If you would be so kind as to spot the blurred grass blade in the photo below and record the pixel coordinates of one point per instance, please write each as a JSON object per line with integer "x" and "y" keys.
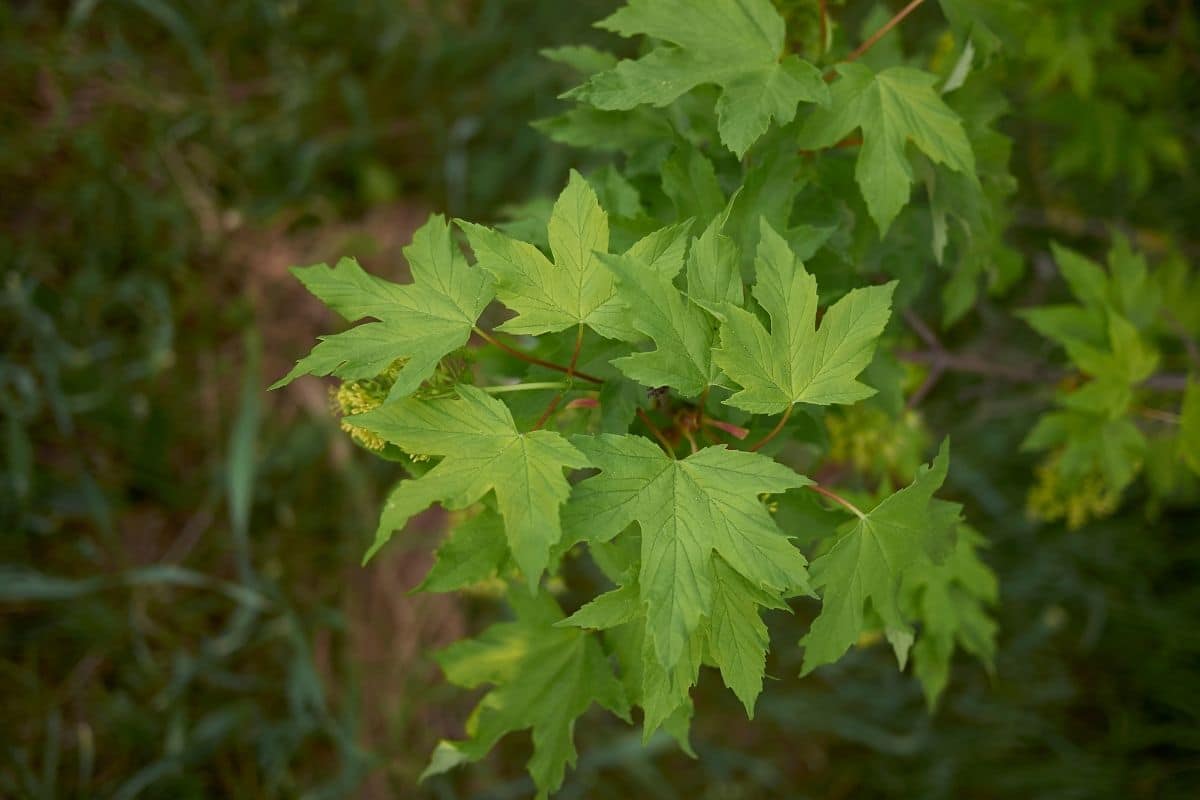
{"x": 23, "y": 585}
{"x": 240, "y": 469}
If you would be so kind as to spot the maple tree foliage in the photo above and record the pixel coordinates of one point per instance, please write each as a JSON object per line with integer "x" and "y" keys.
{"x": 681, "y": 323}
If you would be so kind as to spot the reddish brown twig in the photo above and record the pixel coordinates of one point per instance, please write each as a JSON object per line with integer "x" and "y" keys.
{"x": 883, "y": 31}
{"x": 774, "y": 431}
{"x": 570, "y": 374}
{"x": 658, "y": 434}
{"x": 837, "y": 498}
{"x": 736, "y": 431}
{"x": 487, "y": 337}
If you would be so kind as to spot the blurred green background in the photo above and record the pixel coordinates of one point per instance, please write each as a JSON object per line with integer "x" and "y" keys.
{"x": 181, "y": 610}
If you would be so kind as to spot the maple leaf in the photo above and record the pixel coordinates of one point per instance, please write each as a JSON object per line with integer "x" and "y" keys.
{"x": 572, "y": 290}
{"x": 796, "y": 362}
{"x": 1189, "y": 426}
{"x": 483, "y": 452}
{"x": 474, "y": 551}
{"x": 681, "y": 330}
{"x": 735, "y": 44}
{"x": 687, "y": 511}
{"x": 1101, "y": 333}
{"x": 420, "y": 322}
{"x": 950, "y": 600}
{"x": 891, "y": 108}
{"x": 737, "y": 637}
{"x": 868, "y": 562}
{"x": 663, "y": 694}
{"x": 1090, "y": 444}
{"x": 544, "y": 677}
{"x": 714, "y": 276}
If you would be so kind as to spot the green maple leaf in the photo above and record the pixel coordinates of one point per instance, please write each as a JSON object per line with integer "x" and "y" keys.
{"x": 687, "y": 511}
{"x": 891, "y": 108}
{"x": 483, "y": 451}
{"x": 950, "y": 600}
{"x": 737, "y": 637}
{"x": 1189, "y": 426}
{"x": 714, "y": 275}
{"x": 795, "y": 362}
{"x": 574, "y": 289}
{"x": 681, "y": 330}
{"x": 663, "y": 694}
{"x": 868, "y": 562}
{"x": 1090, "y": 444}
{"x": 735, "y": 44}
{"x": 472, "y": 553}
{"x": 543, "y": 676}
{"x": 420, "y": 322}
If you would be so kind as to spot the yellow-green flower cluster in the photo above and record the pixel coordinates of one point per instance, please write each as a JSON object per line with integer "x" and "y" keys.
{"x": 1077, "y": 501}
{"x": 450, "y": 372}
{"x": 874, "y": 443}
{"x": 359, "y": 397}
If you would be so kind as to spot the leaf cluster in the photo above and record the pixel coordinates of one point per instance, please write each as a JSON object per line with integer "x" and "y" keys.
{"x": 685, "y": 326}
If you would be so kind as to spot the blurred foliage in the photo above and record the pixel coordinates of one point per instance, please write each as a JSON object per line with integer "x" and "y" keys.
{"x": 172, "y": 625}
{"x": 174, "y": 618}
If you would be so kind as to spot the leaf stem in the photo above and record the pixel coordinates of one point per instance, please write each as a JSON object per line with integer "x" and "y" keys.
{"x": 883, "y": 31}
{"x": 774, "y": 431}
{"x": 736, "y": 431}
{"x": 1158, "y": 415}
{"x": 658, "y": 434}
{"x": 570, "y": 374}
{"x": 487, "y": 337}
{"x": 837, "y": 498}
{"x": 525, "y": 387}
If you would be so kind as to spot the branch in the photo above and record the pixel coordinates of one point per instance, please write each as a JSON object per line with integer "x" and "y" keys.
{"x": 774, "y": 431}
{"x": 837, "y": 498}
{"x": 883, "y": 31}
{"x": 487, "y": 337}
{"x": 570, "y": 374}
{"x": 976, "y": 365}
{"x": 941, "y": 360}
{"x": 658, "y": 434}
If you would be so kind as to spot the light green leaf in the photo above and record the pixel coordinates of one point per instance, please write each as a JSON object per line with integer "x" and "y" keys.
{"x": 1189, "y": 426}
{"x": 552, "y": 296}
{"x": 868, "y": 562}
{"x": 543, "y": 677}
{"x": 575, "y": 288}
{"x": 420, "y": 322}
{"x": 681, "y": 331}
{"x": 663, "y": 695}
{"x": 714, "y": 274}
{"x": 891, "y": 108}
{"x": 483, "y": 452}
{"x": 687, "y": 510}
{"x": 735, "y": 44}
{"x": 609, "y": 610}
{"x": 1091, "y": 444}
{"x": 950, "y": 600}
{"x": 582, "y": 58}
{"x": 473, "y": 552}
{"x": 688, "y": 178}
{"x": 795, "y": 362}
{"x": 737, "y": 637}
